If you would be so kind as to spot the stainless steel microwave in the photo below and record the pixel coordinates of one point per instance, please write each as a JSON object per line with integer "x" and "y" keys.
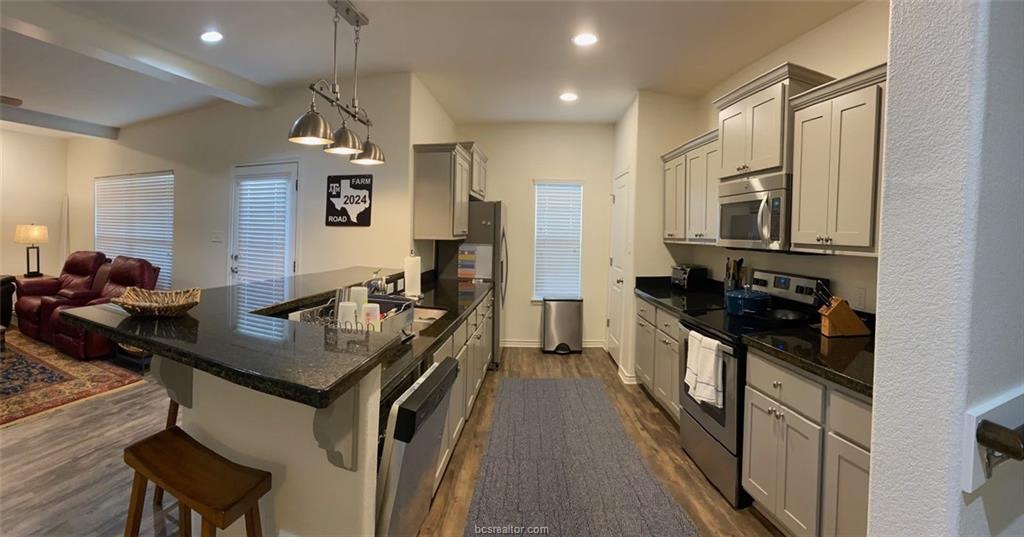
{"x": 754, "y": 212}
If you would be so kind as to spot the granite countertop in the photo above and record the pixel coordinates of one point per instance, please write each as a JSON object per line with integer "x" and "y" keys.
{"x": 658, "y": 290}
{"x": 846, "y": 361}
{"x": 302, "y": 362}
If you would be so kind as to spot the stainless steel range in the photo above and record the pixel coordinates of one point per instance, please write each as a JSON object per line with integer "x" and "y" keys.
{"x": 710, "y": 435}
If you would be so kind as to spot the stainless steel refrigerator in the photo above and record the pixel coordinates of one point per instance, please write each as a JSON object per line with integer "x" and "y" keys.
{"x": 484, "y": 257}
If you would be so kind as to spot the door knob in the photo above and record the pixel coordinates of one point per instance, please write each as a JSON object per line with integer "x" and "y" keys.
{"x": 234, "y": 270}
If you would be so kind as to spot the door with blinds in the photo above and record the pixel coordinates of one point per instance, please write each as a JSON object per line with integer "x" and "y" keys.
{"x": 263, "y": 226}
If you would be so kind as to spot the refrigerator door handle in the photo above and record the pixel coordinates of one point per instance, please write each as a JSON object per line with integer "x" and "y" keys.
{"x": 504, "y": 265}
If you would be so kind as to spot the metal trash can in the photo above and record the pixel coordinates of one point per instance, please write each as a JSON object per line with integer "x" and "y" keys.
{"x": 563, "y": 325}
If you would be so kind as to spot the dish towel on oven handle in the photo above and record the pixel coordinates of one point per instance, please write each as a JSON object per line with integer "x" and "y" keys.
{"x": 703, "y": 376}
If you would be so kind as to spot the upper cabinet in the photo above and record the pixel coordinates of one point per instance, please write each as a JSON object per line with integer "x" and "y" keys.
{"x": 478, "y": 171}
{"x": 752, "y": 120}
{"x": 691, "y": 173}
{"x": 441, "y": 185}
{"x": 837, "y": 138}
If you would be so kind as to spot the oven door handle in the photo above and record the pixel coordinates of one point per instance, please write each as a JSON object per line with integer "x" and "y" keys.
{"x": 685, "y": 337}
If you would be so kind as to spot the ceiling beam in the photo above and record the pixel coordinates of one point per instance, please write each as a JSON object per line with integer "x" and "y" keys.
{"x": 66, "y": 29}
{"x": 60, "y": 123}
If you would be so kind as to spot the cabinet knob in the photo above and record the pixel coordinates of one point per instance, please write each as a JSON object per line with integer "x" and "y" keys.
{"x": 817, "y": 238}
{"x": 828, "y": 240}
{"x": 671, "y": 234}
{"x": 619, "y": 281}
{"x": 776, "y": 384}
{"x": 771, "y": 411}
{"x": 739, "y": 168}
{"x": 778, "y": 414}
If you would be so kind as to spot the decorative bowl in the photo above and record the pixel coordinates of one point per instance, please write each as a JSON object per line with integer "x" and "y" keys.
{"x": 146, "y": 303}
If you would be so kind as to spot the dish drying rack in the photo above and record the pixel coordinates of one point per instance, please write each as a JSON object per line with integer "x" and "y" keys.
{"x": 396, "y": 316}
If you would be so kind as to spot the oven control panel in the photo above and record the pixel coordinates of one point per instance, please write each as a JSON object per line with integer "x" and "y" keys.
{"x": 789, "y": 286}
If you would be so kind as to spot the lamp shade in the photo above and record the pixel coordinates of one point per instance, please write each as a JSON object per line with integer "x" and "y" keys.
{"x": 345, "y": 142}
{"x": 311, "y": 129}
{"x": 31, "y": 234}
{"x": 372, "y": 154}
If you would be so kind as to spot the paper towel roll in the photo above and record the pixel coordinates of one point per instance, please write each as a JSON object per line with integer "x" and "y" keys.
{"x": 358, "y": 294}
{"x": 371, "y": 316}
{"x": 346, "y": 314}
{"x": 412, "y": 275}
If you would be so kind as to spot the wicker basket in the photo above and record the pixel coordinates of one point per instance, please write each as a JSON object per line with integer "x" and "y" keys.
{"x": 146, "y": 303}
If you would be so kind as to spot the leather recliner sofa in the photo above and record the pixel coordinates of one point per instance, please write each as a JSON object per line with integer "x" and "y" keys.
{"x": 33, "y": 307}
{"x": 111, "y": 281}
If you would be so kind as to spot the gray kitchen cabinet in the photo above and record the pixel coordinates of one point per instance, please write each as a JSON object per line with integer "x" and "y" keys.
{"x": 666, "y": 350}
{"x": 478, "y": 171}
{"x": 836, "y": 161}
{"x": 441, "y": 185}
{"x": 645, "y": 352}
{"x": 845, "y": 505}
{"x": 690, "y": 175}
{"x": 752, "y": 119}
{"x": 799, "y": 470}
{"x": 760, "y": 475}
{"x": 674, "y": 207}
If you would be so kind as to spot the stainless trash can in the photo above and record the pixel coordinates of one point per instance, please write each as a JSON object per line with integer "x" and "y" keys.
{"x": 563, "y": 325}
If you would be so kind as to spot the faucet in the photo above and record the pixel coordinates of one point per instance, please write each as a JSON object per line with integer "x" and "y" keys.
{"x": 377, "y": 283}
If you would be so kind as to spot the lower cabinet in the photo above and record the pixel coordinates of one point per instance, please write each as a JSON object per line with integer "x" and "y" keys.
{"x": 809, "y": 472}
{"x": 656, "y": 357}
{"x": 845, "y": 507}
{"x": 645, "y": 352}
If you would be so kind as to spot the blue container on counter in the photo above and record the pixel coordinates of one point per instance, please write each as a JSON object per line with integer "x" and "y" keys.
{"x": 746, "y": 302}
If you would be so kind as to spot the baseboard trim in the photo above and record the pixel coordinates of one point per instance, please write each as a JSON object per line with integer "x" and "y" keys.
{"x": 628, "y": 379}
{"x": 536, "y": 344}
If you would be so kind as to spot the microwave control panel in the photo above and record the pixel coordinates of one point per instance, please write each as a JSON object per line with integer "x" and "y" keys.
{"x": 776, "y": 220}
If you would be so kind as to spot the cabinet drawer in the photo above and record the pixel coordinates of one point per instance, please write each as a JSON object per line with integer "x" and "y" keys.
{"x": 668, "y": 323}
{"x": 645, "y": 310}
{"x": 459, "y": 338}
{"x": 849, "y": 418}
{"x": 446, "y": 350}
{"x": 795, "y": 391}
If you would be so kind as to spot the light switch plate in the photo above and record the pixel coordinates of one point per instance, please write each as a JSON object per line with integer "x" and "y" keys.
{"x": 217, "y": 236}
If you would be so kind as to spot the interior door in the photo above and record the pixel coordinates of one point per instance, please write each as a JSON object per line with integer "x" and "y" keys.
{"x": 617, "y": 269}
{"x": 811, "y": 132}
{"x": 263, "y": 234}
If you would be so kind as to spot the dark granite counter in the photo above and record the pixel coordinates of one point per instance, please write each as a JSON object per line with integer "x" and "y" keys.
{"x": 848, "y": 362}
{"x": 302, "y": 362}
{"x": 659, "y": 291}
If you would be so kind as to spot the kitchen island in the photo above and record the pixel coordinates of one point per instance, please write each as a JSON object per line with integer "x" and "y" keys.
{"x": 296, "y": 399}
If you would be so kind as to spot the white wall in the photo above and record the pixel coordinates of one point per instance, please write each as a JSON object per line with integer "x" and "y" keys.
{"x": 429, "y": 123}
{"x": 846, "y": 44}
{"x": 950, "y": 329}
{"x": 517, "y": 154}
{"x": 33, "y": 184}
{"x": 202, "y": 147}
{"x": 854, "y": 40}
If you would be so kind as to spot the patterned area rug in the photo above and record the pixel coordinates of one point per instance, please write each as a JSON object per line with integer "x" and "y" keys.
{"x": 35, "y": 377}
{"x": 558, "y": 462}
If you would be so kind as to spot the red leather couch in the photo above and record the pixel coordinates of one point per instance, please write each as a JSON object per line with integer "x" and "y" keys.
{"x": 36, "y": 296}
{"x": 111, "y": 281}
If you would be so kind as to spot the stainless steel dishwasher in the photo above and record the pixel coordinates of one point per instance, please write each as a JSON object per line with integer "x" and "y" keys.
{"x": 412, "y": 444}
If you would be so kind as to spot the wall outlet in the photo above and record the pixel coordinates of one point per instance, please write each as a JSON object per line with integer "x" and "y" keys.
{"x": 217, "y": 236}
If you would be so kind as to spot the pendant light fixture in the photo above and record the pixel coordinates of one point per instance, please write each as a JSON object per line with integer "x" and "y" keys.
{"x": 313, "y": 129}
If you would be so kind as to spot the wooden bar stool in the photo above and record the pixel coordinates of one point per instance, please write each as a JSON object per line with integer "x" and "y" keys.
{"x": 219, "y": 490}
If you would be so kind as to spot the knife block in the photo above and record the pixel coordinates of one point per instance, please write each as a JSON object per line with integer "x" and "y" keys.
{"x": 839, "y": 320}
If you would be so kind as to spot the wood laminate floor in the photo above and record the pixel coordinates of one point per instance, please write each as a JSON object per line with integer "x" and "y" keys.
{"x": 652, "y": 430}
{"x": 62, "y": 472}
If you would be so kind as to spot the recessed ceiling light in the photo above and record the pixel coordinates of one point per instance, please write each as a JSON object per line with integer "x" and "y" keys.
{"x": 568, "y": 96}
{"x": 585, "y": 39}
{"x": 213, "y": 36}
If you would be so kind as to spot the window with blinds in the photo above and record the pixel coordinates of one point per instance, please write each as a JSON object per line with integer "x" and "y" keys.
{"x": 557, "y": 239}
{"x": 134, "y": 217}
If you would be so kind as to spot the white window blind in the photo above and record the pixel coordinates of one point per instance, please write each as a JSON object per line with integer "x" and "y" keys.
{"x": 134, "y": 217}
{"x": 262, "y": 245}
{"x": 557, "y": 240}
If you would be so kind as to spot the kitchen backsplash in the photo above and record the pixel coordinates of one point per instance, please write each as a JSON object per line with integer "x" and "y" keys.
{"x": 853, "y": 278}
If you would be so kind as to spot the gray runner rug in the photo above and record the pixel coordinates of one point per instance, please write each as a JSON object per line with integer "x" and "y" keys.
{"x": 558, "y": 462}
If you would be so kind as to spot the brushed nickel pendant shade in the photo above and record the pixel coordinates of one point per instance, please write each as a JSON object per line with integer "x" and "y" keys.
{"x": 346, "y": 142}
{"x": 371, "y": 156}
{"x": 311, "y": 128}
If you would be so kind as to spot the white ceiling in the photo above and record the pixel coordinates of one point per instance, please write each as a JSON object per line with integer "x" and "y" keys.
{"x": 483, "y": 60}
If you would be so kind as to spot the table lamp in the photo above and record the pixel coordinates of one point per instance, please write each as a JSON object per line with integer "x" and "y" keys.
{"x": 31, "y": 234}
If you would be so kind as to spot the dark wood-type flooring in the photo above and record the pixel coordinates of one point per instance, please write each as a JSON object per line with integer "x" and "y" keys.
{"x": 62, "y": 472}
